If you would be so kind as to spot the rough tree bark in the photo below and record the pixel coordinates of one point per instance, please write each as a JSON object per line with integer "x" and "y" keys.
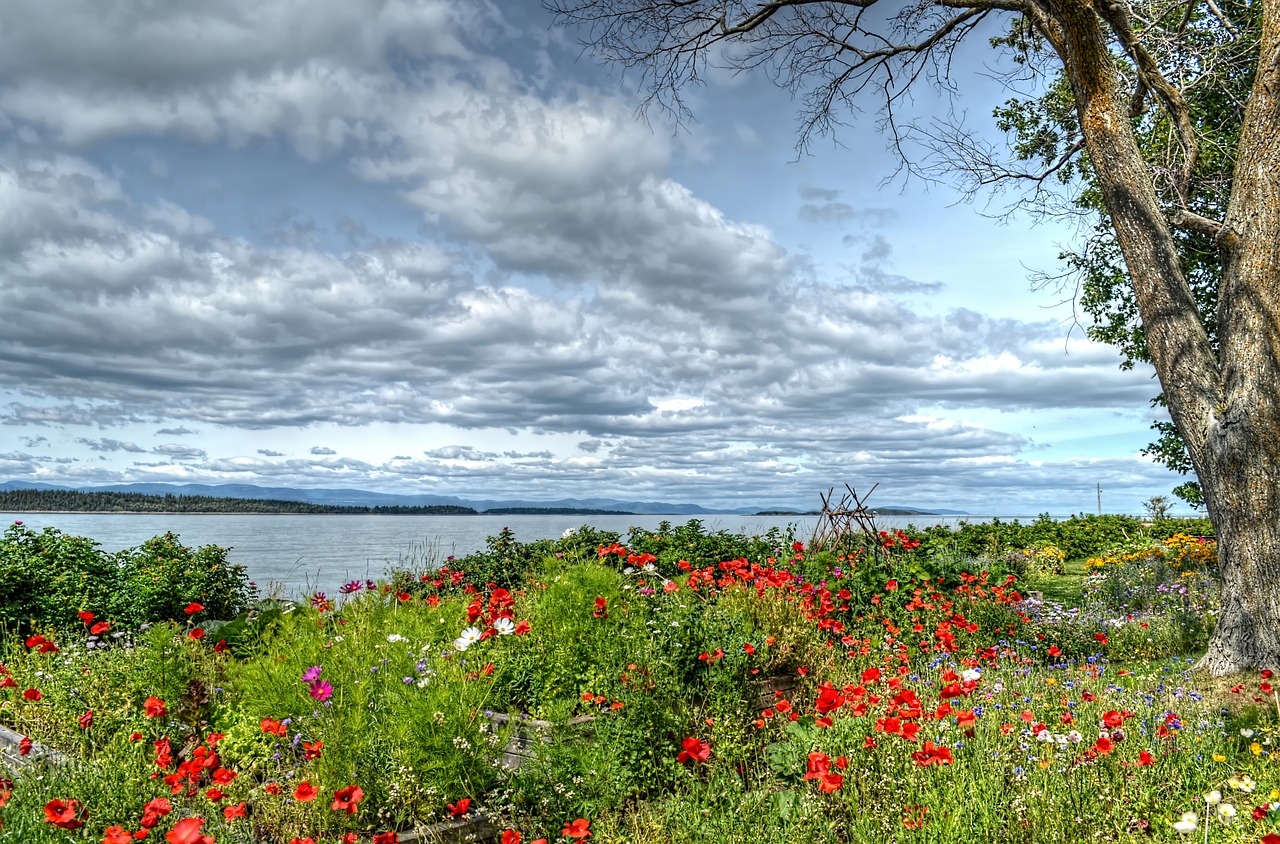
{"x": 1226, "y": 406}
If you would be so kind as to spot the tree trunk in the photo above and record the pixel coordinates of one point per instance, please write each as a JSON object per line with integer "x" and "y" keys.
{"x": 1227, "y": 407}
{"x": 1240, "y": 472}
{"x": 1247, "y": 522}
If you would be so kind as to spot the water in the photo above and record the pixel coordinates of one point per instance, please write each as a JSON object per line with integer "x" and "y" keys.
{"x": 300, "y": 554}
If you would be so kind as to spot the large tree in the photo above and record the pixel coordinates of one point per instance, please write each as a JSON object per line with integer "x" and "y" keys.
{"x": 1126, "y": 77}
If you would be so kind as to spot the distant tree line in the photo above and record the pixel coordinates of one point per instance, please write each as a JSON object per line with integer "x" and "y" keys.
{"x": 74, "y": 501}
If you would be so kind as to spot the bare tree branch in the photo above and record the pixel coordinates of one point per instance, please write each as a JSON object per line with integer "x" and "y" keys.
{"x": 1184, "y": 219}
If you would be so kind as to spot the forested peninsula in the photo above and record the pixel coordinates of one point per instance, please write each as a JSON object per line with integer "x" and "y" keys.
{"x": 74, "y": 501}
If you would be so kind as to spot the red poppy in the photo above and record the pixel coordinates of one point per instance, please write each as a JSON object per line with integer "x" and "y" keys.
{"x": 510, "y": 836}
{"x": 695, "y": 750}
{"x": 116, "y": 835}
{"x": 214, "y": 793}
{"x": 1145, "y": 759}
{"x": 311, "y": 749}
{"x": 100, "y": 628}
{"x": 599, "y": 611}
{"x": 386, "y": 838}
{"x": 305, "y": 792}
{"x": 522, "y": 628}
{"x": 196, "y": 633}
{"x": 830, "y": 782}
{"x": 64, "y": 814}
{"x": 1101, "y": 637}
{"x": 1270, "y": 838}
{"x": 32, "y": 694}
{"x": 159, "y": 806}
{"x": 187, "y": 831}
{"x": 577, "y": 829}
{"x": 460, "y": 808}
{"x": 154, "y": 708}
{"x": 236, "y": 811}
{"x": 86, "y": 720}
{"x": 221, "y": 647}
{"x": 828, "y": 699}
{"x": 348, "y": 799}
{"x": 932, "y": 755}
{"x": 86, "y": 617}
{"x": 1112, "y": 719}
{"x": 307, "y": 840}
{"x": 1054, "y": 650}
{"x": 193, "y": 608}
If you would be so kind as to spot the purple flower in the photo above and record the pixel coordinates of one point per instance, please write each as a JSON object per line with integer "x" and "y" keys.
{"x": 353, "y": 586}
{"x": 312, "y": 674}
{"x": 321, "y": 690}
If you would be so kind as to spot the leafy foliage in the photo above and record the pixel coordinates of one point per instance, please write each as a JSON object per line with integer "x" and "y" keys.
{"x": 48, "y": 577}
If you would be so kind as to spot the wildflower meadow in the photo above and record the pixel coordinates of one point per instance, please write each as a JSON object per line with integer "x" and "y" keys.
{"x": 670, "y": 685}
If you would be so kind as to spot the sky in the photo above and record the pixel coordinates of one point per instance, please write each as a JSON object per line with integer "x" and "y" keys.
{"x": 428, "y": 246}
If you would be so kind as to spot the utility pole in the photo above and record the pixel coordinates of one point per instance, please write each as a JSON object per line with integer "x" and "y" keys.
{"x": 1099, "y": 499}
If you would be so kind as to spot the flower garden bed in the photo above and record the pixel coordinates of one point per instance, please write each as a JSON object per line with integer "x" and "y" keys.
{"x": 788, "y": 695}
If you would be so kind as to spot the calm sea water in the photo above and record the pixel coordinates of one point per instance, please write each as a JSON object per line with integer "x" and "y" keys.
{"x": 300, "y": 554}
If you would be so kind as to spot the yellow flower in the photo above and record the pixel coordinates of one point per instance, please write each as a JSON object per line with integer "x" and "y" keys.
{"x": 1218, "y": 757}
{"x": 1256, "y": 748}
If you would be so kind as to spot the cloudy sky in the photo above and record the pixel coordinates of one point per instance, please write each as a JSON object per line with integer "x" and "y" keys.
{"x": 427, "y": 246}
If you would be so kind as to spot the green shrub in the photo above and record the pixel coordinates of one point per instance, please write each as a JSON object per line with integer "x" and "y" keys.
{"x": 47, "y": 578}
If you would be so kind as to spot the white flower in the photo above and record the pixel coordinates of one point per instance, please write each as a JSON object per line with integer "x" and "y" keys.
{"x": 1074, "y": 737}
{"x": 468, "y": 638}
{"x": 1226, "y": 812}
{"x": 395, "y": 637}
{"x": 1044, "y": 735}
{"x": 1247, "y": 733}
{"x": 650, "y": 567}
{"x": 569, "y": 532}
{"x": 1213, "y": 798}
{"x": 1242, "y": 783}
{"x": 1188, "y": 824}
{"x": 504, "y": 626}
{"x": 970, "y": 675}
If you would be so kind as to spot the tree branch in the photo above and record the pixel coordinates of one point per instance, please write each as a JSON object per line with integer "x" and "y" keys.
{"x": 1115, "y": 13}
{"x": 1190, "y": 221}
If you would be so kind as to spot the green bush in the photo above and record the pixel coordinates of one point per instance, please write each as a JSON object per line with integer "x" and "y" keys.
{"x": 48, "y": 577}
